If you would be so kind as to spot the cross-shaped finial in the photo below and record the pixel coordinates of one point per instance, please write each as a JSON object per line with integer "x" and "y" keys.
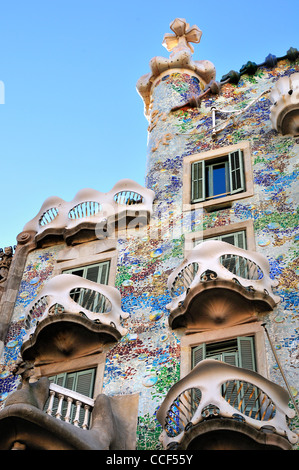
{"x": 182, "y": 36}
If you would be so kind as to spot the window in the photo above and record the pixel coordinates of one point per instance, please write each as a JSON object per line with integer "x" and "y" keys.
{"x": 238, "y": 352}
{"x": 87, "y": 298}
{"x": 212, "y": 180}
{"x": 217, "y": 178}
{"x": 235, "y": 238}
{"x": 82, "y": 382}
{"x": 95, "y": 272}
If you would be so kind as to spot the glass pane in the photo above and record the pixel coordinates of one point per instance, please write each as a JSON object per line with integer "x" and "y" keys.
{"x": 228, "y": 238}
{"x": 77, "y": 272}
{"x": 92, "y": 273}
{"x": 219, "y": 180}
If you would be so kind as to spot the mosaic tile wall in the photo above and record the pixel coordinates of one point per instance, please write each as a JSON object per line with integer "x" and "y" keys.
{"x": 147, "y": 359}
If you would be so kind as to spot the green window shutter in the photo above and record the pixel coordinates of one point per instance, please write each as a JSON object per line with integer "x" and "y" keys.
{"x": 104, "y": 272}
{"x": 198, "y": 354}
{"x": 230, "y": 358}
{"x": 246, "y": 353}
{"x": 85, "y": 382}
{"x": 247, "y": 361}
{"x": 198, "y": 181}
{"x": 241, "y": 239}
{"x": 236, "y": 172}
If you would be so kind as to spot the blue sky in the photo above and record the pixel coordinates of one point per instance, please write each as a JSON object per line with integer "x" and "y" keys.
{"x": 72, "y": 117}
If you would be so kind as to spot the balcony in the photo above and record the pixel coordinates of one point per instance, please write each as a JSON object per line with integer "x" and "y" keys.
{"x": 220, "y": 404}
{"x": 219, "y": 285}
{"x": 284, "y": 112}
{"x": 71, "y": 314}
{"x": 92, "y": 214}
{"x": 44, "y": 416}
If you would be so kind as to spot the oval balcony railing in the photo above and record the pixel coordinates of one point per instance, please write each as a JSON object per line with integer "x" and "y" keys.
{"x": 91, "y": 300}
{"x": 84, "y": 209}
{"x": 241, "y": 267}
{"x": 68, "y": 293}
{"x": 214, "y": 388}
{"x": 216, "y": 260}
{"x": 48, "y": 216}
{"x": 127, "y": 199}
{"x": 183, "y": 279}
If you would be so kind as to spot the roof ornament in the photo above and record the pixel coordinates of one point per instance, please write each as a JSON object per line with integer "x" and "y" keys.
{"x": 179, "y": 44}
{"x": 182, "y": 37}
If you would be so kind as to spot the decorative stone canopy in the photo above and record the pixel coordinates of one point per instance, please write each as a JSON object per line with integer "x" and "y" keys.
{"x": 179, "y": 44}
{"x": 284, "y": 113}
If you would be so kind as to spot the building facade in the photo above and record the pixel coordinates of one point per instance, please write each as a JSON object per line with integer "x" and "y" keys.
{"x": 166, "y": 316}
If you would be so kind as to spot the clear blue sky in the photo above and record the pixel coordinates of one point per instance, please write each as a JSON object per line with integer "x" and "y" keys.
{"x": 72, "y": 117}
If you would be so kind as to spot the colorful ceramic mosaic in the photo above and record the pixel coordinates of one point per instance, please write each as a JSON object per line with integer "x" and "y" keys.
{"x": 147, "y": 359}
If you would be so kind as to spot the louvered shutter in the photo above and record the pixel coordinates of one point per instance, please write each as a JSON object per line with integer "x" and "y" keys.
{"x": 198, "y": 354}
{"x": 84, "y": 385}
{"x": 198, "y": 181}
{"x": 246, "y": 352}
{"x": 236, "y": 172}
{"x": 247, "y": 361}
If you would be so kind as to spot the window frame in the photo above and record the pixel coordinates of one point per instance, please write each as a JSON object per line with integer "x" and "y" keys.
{"x": 237, "y": 354}
{"x": 207, "y": 158}
{"x": 87, "y": 255}
{"x": 255, "y": 330}
{"x": 94, "y": 361}
{"x": 208, "y": 234}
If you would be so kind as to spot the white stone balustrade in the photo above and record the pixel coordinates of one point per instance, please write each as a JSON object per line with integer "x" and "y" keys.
{"x": 214, "y": 387}
{"x": 69, "y": 406}
{"x": 211, "y": 260}
{"x": 68, "y": 293}
{"x": 126, "y": 199}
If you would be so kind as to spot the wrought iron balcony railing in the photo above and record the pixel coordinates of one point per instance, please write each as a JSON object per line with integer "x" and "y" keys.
{"x": 214, "y": 388}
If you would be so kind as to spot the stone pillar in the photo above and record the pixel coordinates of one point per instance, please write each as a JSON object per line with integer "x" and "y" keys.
{"x": 26, "y": 243}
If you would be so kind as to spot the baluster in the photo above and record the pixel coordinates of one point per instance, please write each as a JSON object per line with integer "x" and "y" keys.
{"x": 78, "y": 406}
{"x": 58, "y": 413}
{"x": 68, "y": 411}
{"x": 86, "y": 415}
{"x": 51, "y": 401}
